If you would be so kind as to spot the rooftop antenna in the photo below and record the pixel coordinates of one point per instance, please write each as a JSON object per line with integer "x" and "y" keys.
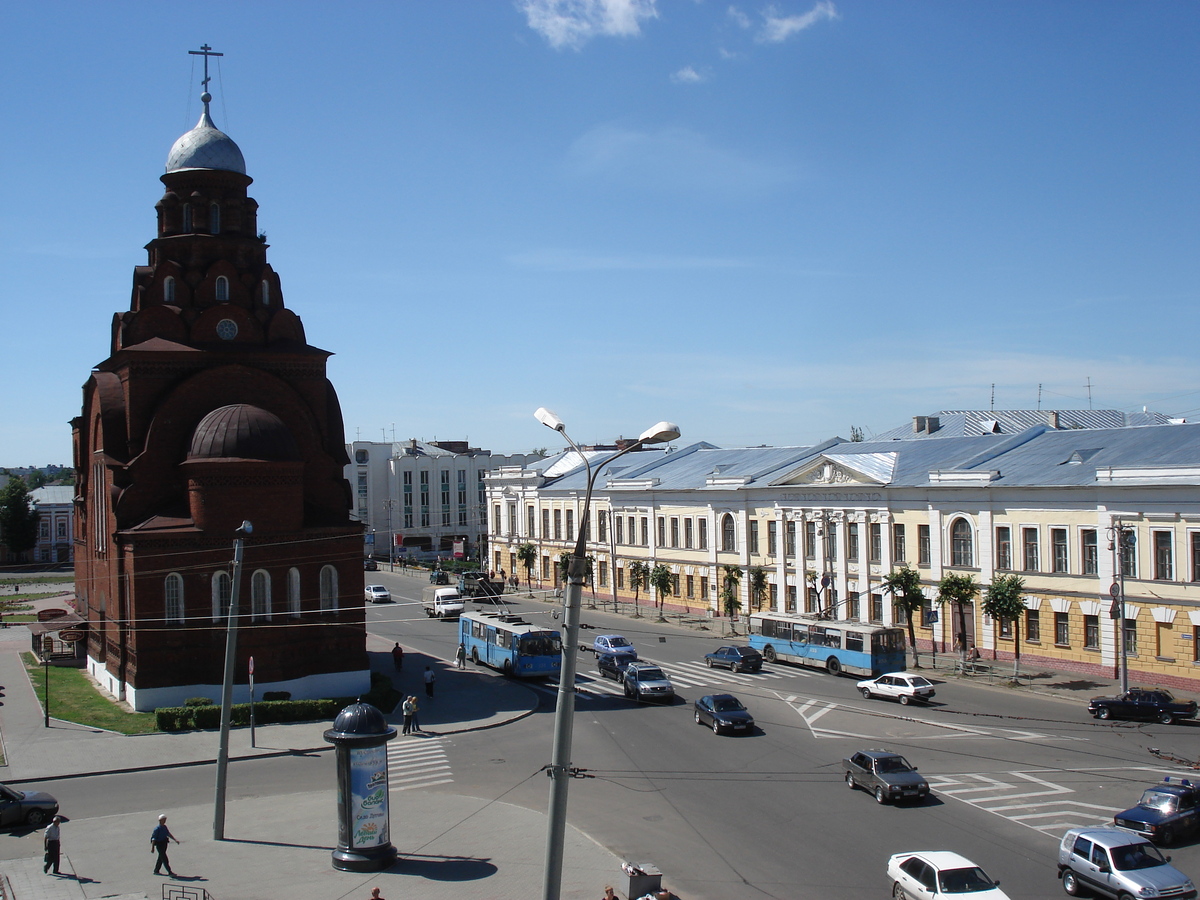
{"x": 1089, "y": 387}
{"x": 992, "y": 408}
{"x": 1039, "y": 406}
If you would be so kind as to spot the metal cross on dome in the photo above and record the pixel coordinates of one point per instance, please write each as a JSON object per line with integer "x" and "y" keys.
{"x": 205, "y": 51}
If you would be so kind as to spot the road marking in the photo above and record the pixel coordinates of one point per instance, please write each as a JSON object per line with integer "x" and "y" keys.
{"x": 1050, "y": 809}
{"x": 417, "y": 764}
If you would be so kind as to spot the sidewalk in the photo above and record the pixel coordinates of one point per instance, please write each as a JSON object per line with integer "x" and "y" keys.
{"x": 450, "y": 846}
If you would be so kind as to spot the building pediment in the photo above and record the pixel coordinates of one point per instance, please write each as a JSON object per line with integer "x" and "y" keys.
{"x": 843, "y": 468}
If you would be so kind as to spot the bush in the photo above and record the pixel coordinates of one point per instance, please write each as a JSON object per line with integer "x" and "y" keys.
{"x": 198, "y": 701}
{"x": 277, "y": 695}
{"x": 268, "y": 712}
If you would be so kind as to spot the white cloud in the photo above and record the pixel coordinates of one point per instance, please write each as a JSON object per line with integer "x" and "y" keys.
{"x": 739, "y": 17}
{"x": 688, "y": 75}
{"x": 777, "y": 28}
{"x": 671, "y": 159}
{"x": 572, "y": 23}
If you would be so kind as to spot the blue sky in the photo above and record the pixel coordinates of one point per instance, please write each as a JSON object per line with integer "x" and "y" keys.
{"x": 767, "y": 222}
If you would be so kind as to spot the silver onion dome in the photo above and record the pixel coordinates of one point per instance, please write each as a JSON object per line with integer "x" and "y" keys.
{"x": 206, "y": 147}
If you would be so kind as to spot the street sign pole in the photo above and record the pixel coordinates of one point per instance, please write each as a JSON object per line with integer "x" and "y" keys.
{"x": 252, "y": 744}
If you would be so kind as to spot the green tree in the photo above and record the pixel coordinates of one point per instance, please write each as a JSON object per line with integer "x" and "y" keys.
{"x": 904, "y": 585}
{"x": 958, "y": 590}
{"x": 564, "y": 564}
{"x": 1003, "y": 600}
{"x": 731, "y": 580}
{"x": 639, "y": 577}
{"x": 18, "y": 520}
{"x": 663, "y": 584}
{"x": 527, "y": 557}
{"x": 758, "y": 586}
{"x": 36, "y": 479}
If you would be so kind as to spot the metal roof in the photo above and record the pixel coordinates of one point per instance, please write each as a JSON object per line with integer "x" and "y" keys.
{"x": 971, "y": 422}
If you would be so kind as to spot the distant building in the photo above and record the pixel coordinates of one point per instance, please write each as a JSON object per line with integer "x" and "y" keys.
{"x": 423, "y": 498}
{"x": 55, "y": 507}
{"x": 212, "y": 408}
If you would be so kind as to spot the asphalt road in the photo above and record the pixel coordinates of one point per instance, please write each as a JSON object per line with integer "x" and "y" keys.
{"x": 766, "y": 815}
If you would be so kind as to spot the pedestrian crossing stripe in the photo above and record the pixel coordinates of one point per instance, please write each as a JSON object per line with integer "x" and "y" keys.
{"x": 417, "y": 764}
{"x": 686, "y": 674}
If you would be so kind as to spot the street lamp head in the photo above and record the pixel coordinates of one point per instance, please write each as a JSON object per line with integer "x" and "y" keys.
{"x": 660, "y": 433}
{"x": 244, "y": 528}
{"x": 549, "y": 419}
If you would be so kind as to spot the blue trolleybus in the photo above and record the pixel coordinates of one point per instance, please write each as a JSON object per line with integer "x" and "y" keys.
{"x": 510, "y": 644}
{"x": 835, "y": 646}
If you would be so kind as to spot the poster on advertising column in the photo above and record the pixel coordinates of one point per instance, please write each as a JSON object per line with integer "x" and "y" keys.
{"x": 369, "y": 796}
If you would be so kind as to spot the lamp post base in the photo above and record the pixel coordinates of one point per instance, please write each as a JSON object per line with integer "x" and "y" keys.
{"x": 372, "y": 859}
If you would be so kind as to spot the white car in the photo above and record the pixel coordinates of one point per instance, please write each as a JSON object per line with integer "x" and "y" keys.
{"x": 377, "y": 593}
{"x": 903, "y": 686}
{"x": 924, "y": 874}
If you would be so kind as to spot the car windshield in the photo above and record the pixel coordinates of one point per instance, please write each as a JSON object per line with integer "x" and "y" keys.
{"x": 651, "y": 675}
{"x": 727, "y": 704}
{"x": 544, "y": 644}
{"x": 964, "y": 881}
{"x": 1137, "y": 856}
{"x": 1165, "y": 803}
{"x": 618, "y": 641}
{"x": 889, "y": 765}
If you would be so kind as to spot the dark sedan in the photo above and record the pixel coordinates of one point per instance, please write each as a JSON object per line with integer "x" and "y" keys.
{"x": 723, "y": 712}
{"x": 31, "y": 808}
{"x": 612, "y": 666}
{"x": 736, "y": 659}
{"x": 887, "y": 775}
{"x": 1142, "y": 703}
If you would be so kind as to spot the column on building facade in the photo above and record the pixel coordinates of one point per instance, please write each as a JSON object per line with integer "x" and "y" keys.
{"x": 781, "y": 573}
{"x": 884, "y": 518}
{"x": 841, "y": 563}
{"x": 1106, "y": 568}
{"x": 984, "y": 632}
{"x": 935, "y": 570}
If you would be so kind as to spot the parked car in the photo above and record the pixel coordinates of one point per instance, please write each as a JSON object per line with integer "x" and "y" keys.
{"x": 922, "y": 874}
{"x": 1115, "y": 863}
{"x": 32, "y": 808}
{"x": 612, "y": 666}
{"x": 369, "y": 565}
{"x": 723, "y": 712}
{"x": 1168, "y": 810}
{"x": 1143, "y": 703}
{"x": 736, "y": 658}
{"x": 902, "y": 686}
{"x": 646, "y": 681}
{"x": 437, "y": 576}
{"x": 377, "y": 593}
{"x": 615, "y": 644}
{"x": 887, "y": 775}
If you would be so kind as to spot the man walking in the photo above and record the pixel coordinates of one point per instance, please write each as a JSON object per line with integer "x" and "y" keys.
{"x": 430, "y": 678}
{"x": 460, "y": 657}
{"x": 408, "y": 708}
{"x": 160, "y": 839}
{"x": 398, "y": 656}
{"x": 51, "y": 841}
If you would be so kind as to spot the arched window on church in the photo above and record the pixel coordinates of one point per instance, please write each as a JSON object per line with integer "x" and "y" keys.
{"x": 960, "y": 543}
{"x": 169, "y": 289}
{"x": 728, "y": 534}
{"x": 214, "y": 219}
{"x": 187, "y": 218}
{"x": 222, "y": 289}
{"x": 294, "y": 593}
{"x": 266, "y": 293}
{"x": 329, "y": 589}
{"x": 173, "y": 598}
{"x": 260, "y": 596}
{"x": 222, "y": 587}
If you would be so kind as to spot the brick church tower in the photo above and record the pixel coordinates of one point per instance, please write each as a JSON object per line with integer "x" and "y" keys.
{"x": 212, "y": 408}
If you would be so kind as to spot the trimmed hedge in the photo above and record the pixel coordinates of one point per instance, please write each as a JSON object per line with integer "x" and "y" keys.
{"x": 270, "y": 712}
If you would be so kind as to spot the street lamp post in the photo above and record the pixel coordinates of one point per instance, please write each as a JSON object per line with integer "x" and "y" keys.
{"x": 560, "y": 765}
{"x": 1123, "y": 538}
{"x": 227, "y": 683}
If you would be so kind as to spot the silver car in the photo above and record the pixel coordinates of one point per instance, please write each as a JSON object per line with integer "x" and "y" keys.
{"x": 1115, "y": 863}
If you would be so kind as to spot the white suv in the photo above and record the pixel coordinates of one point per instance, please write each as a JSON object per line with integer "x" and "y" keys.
{"x": 1115, "y": 863}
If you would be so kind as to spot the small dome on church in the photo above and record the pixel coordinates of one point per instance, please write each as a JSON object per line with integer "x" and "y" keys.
{"x": 242, "y": 431}
{"x": 206, "y": 147}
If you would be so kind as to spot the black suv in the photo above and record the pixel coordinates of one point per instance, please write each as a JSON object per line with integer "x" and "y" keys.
{"x": 1142, "y": 703}
{"x": 1166, "y": 811}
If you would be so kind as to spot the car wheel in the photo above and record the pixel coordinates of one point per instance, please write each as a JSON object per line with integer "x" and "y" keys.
{"x": 697, "y": 715}
{"x": 850, "y": 781}
{"x": 880, "y": 795}
{"x": 708, "y": 661}
{"x": 1166, "y": 719}
{"x": 898, "y": 892}
{"x": 475, "y": 656}
{"x": 35, "y": 817}
{"x": 507, "y": 667}
{"x": 735, "y": 668}
{"x": 1104, "y": 713}
{"x": 833, "y": 666}
{"x": 769, "y": 653}
{"x": 716, "y": 727}
{"x": 905, "y": 699}
{"x": 1166, "y": 837}
{"x": 1071, "y": 883}
{"x": 866, "y": 692}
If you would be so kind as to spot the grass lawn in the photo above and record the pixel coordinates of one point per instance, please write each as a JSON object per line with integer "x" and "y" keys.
{"x": 72, "y": 697}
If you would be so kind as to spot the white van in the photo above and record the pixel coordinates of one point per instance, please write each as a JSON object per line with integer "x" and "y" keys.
{"x": 442, "y": 602}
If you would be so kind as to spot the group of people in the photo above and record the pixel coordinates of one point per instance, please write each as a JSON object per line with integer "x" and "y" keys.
{"x": 160, "y": 839}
